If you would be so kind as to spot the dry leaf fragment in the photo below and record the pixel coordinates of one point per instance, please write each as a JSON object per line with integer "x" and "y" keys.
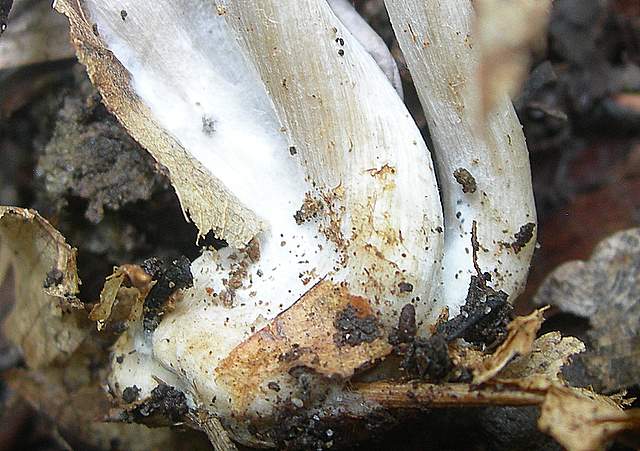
{"x": 48, "y": 322}
{"x": 606, "y": 290}
{"x": 102, "y": 310}
{"x": 548, "y": 354}
{"x": 121, "y": 304}
{"x": 583, "y": 421}
{"x": 315, "y": 334}
{"x": 519, "y": 341}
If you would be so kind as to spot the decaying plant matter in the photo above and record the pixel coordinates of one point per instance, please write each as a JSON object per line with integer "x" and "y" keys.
{"x": 282, "y": 128}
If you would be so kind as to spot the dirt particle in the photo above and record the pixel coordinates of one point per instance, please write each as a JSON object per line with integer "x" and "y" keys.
{"x": 253, "y": 250}
{"x": 164, "y": 401}
{"x": 353, "y": 328}
{"x": 484, "y": 317}
{"x": 53, "y": 277}
{"x": 407, "y": 328}
{"x": 405, "y": 287}
{"x": 341, "y": 52}
{"x": 310, "y": 209}
{"x": 208, "y": 125}
{"x": 123, "y": 15}
{"x": 94, "y": 28}
{"x": 428, "y": 358}
{"x": 522, "y": 237}
{"x": 130, "y": 394}
{"x": 466, "y": 180}
{"x": 292, "y": 150}
{"x": 273, "y": 386}
{"x": 170, "y": 275}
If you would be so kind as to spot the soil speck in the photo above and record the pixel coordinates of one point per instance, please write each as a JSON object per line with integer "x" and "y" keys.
{"x": 466, "y": 180}
{"x": 354, "y": 329}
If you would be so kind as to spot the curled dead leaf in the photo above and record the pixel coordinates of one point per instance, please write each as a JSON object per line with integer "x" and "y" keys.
{"x": 606, "y": 290}
{"x": 521, "y": 335}
{"x": 582, "y": 421}
{"x": 48, "y": 321}
{"x": 549, "y": 353}
{"x": 121, "y": 304}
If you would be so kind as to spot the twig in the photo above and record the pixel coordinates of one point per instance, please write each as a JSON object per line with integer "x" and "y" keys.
{"x": 421, "y": 395}
{"x": 216, "y": 433}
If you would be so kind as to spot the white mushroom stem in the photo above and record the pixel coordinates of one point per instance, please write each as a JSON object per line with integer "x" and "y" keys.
{"x": 437, "y": 42}
{"x": 279, "y": 102}
{"x": 317, "y": 159}
{"x": 369, "y": 39}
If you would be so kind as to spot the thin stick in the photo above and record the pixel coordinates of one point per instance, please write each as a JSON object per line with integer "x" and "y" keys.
{"x": 216, "y": 433}
{"x": 421, "y": 395}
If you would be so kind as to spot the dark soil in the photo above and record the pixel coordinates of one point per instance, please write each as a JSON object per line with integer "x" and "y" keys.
{"x": 353, "y": 328}
{"x": 466, "y": 180}
{"x": 165, "y": 401}
{"x": 170, "y": 275}
{"x": 482, "y": 321}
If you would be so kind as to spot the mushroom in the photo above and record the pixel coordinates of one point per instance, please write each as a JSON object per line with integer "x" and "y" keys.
{"x": 283, "y": 136}
{"x": 483, "y": 166}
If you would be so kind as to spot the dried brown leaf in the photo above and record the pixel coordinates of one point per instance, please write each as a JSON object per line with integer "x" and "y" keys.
{"x": 583, "y": 421}
{"x": 521, "y": 335}
{"x": 606, "y": 290}
{"x": 48, "y": 322}
{"x": 121, "y": 304}
{"x": 547, "y": 356}
{"x": 302, "y": 336}
{"x": 102, "y": 310}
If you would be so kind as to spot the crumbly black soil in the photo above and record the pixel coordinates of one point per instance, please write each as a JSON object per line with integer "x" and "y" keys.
{"x": 130, "y": 394}
{"x": 407, "y": 328}
{"x": 483, "y": 319}
{"x": 466, "y": 180}
{"x": 165, "y": 401}
{"x": 90, "y": 156}
{"x": 53, "y": 277}
{"x": 353, "y": 329}
{"x": 523, "y": 236}
{"x": 170, "y": 275}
